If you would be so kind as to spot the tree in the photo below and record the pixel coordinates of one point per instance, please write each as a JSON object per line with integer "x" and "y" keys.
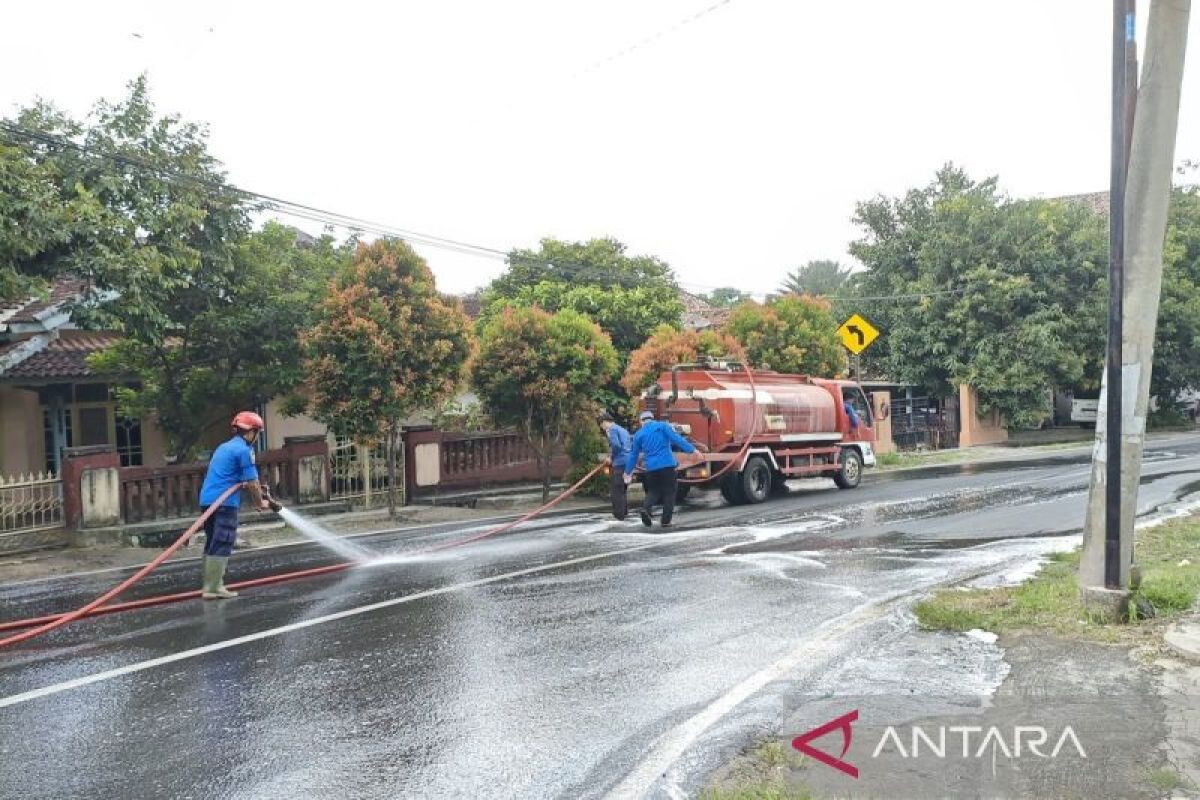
{"x": 1177, "y": 339}
{"x": 793, "y": 333}
{"x": 1006, "y": 296}
{"x": 540, "y": 372}
{"x": 667, "y": 347}
{"x": 628, "y": 296}
{"x": 43, "y": 226}
{"x": 816, "y": 278}
{"x": 229, "y": 340}
{"x": 387, "y": 344}
{"x": 726, "y": 297}
{"x": 133, "y": 203}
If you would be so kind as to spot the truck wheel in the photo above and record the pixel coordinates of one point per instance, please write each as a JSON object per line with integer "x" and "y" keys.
{"x": 850, "y": 472}
{"x": 681, "y": 491}
{"x": 731, "y": 489}
{"x": 756, "y": 480}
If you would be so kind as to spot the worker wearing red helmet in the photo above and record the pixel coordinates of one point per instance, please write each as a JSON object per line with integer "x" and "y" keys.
{"x": 232, "y": 463}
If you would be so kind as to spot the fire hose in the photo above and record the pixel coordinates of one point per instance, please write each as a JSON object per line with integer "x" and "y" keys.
{"x": 97, "y": 607}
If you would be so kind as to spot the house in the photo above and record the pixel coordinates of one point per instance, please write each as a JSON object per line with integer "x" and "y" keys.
{"x": 50, "y": 399}
{"x": 701, "y": 315}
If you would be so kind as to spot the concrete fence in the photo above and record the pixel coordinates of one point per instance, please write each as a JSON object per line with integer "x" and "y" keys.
{"x": 447, "y": 462}
{"x": 99, "y": 493}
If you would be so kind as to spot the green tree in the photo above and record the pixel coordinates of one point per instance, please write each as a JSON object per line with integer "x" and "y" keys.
{"x": 821, "y": 277}
{"x": 387, "y": 344}
{"x": 628, "y": 296}
{"x": 230, "y": 339}
{"x": 540, "y": 372}
{"x": 43, "y": 225}
{"x": 668, "y": 347}
{"x": 726, "y": 297}
{"x": 793, "y": 333}
{"x": 1177, "y": 338}
{"x": 140, "y": 209}
{"x": 1006, "y": 296}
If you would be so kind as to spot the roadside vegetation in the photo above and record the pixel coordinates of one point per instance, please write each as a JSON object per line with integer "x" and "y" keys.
{"x": 761, "y": 774}
{"x": 1169, "y": 558}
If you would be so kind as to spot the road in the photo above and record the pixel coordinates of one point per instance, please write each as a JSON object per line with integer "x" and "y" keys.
{"x": 577, "y": 657}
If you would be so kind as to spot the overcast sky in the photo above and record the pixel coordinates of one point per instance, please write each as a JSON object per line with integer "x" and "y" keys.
{"x": 733, "y": 146}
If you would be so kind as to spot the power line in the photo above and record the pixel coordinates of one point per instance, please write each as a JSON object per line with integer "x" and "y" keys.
{"x": 330, "y": 218}
{"x": 652, "y": 38}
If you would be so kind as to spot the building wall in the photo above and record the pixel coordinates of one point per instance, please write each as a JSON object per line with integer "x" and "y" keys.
{"x": 21, "y": 445}
{"x": 154, "y": 443}
{"x": 280, "y": 427}
{"x": 978, "y": 430}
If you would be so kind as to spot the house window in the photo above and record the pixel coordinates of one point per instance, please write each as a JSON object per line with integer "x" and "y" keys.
{"x": 93, "y": 425}
{"x": 64, "y": 418}
{"x": 129, "y": 441}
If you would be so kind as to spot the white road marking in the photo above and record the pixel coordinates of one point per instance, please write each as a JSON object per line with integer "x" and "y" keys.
{"x": 673, "y": 744}
{"x": 141, "y": 666}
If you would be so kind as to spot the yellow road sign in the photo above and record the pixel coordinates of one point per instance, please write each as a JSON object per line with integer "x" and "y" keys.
{"x": 857, "y": 334}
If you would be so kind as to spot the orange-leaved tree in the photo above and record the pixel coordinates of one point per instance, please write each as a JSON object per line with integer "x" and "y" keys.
{"x": 667, "y": 347}
{"x": 387, "y": 345}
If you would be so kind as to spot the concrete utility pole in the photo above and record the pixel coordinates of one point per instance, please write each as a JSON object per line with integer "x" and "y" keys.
{"x": 1147, "y": 198}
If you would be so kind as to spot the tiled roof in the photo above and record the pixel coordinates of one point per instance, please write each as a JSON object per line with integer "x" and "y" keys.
{"x": 65, "y": 357}
{"x": 472, "y": 304}
{"x": 64, "y": 290}
{"x": 1096, "y": 201}
{"x": 699, "y": 314}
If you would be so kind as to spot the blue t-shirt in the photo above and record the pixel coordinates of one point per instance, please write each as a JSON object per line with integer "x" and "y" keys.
{"x": 231, "y": 463}
{"x": 852, "y": 414}
{"x": 654, "y": 440}
{"x": 618, "y": 445}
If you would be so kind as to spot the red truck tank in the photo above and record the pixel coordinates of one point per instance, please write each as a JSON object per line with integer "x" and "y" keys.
{"x": 789, "y": 426}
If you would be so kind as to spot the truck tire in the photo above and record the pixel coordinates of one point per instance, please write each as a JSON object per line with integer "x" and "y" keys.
{"x": 731, "y": 489}
{"x": 849, "y": 473}
{"x": 681, "y": 491}
{"x": 756, "y": 480}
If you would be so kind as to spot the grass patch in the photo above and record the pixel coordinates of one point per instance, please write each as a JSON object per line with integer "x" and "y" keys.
{"x": 762, "y": 774}
{"x": 1168, "y": 780}
{"x": 1050, "y": 600}
{"x": 897, "y": 460}
{"x": 756, "y": 792}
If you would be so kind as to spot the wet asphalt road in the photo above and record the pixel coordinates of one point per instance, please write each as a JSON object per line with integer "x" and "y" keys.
{"x": 577, "y": 657}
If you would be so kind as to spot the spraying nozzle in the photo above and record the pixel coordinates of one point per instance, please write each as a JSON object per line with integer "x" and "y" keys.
{"x": 272, "y": 503}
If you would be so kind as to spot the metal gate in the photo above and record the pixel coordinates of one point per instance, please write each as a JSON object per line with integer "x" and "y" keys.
{"x": 358, "y": 474}
{"x": 924, "y": 423}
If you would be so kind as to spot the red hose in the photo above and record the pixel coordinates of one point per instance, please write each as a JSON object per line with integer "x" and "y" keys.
{"x": 130, "y": 581}
{"x": 97, "y": 607}
{"x": 745, "y": 447}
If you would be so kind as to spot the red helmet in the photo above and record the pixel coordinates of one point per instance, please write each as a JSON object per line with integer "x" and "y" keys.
{"x": 248, "y": 421}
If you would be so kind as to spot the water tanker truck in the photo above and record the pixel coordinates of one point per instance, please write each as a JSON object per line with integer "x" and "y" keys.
{"x": 786, "y": 426}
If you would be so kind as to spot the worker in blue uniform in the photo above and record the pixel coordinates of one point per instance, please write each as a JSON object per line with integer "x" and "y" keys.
{"x": 654, "y": 441}
{"x": 618, "y": 453}
{"x": 232, "y": 463}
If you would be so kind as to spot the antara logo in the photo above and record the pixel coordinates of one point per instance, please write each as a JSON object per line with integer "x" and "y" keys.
{"x": 842, "y": 723}
{"x": 1024, "y": 740}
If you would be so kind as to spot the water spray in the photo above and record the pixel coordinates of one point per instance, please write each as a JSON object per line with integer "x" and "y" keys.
{"x": 40, "y": 625}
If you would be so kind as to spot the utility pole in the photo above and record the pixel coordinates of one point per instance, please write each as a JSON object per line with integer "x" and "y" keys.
{"x": 1139, "y": 200}
{"x": 1124, "y": 29}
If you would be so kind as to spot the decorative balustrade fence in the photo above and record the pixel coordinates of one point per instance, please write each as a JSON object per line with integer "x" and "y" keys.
{"x": 30, "y": 502}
